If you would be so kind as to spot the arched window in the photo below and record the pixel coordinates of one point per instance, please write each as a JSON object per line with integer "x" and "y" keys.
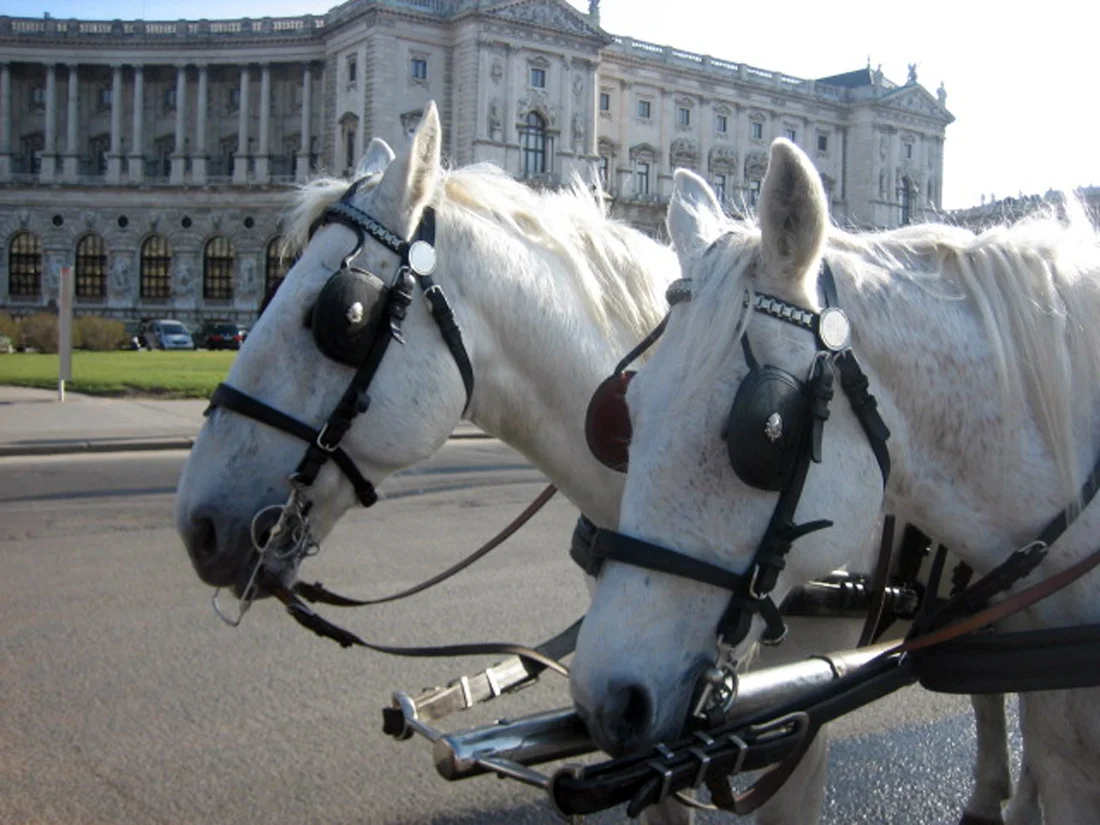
{"x": 533, "y": 140}
{"x": 25, "y": 266}
{"x": 278, "y": 264}
{"x": 156, "y": 268}
{"x": 904, "y": 196}
{"x": 91, "y": 267}
{"x": 218, "y": 259}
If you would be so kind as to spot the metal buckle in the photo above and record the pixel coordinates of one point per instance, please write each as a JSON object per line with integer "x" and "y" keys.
{"x": 665, "y": 773}
{"x": 752, "y": 584}
{"x": 702, "y": 756}
{"x": 320, "y": 441}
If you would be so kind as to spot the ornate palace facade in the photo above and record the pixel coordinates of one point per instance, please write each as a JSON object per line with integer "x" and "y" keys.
{"x": 157, "y": 157}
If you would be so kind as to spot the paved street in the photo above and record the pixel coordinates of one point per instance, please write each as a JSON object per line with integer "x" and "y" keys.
{"x": 127, "y": 701}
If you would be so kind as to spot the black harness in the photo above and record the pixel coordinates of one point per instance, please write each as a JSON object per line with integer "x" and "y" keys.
{"x": 773, "y": 433}
{"x": 354, "y": 320}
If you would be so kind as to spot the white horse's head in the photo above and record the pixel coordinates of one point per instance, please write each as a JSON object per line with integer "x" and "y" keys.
{"x": 240, "y": 466}
{"x": 650, "y": 634}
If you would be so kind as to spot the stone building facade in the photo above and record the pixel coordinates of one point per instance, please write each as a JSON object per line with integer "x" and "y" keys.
{"x": 158, "y": 157}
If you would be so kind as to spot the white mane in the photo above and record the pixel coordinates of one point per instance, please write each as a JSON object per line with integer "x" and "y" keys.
{"x": 602, "y": 254}
{"x": 1035, "y": 285}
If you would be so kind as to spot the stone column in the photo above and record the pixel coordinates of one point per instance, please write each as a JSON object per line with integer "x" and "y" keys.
{"x": 240, "y": 160}
{"x": 301, "y": 163}
{"x": 114, "y": 156}
{"x": 135, "y": 161}
{"x": 5, "y": 121}
{"x": 72, "y": 152}
{"x": 199, "y": 156}
{"x": 705, "y": 124}
{"x": 263, "y": 167}
{"x": 49, "y": 150}
{"x": 179, "y": 155}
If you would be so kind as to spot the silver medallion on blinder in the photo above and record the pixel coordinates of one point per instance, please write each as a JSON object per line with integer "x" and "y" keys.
{"x": 773, "y": 427}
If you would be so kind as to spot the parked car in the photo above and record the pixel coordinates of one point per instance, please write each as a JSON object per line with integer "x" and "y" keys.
{"x": 222, "y": 335}
{"x": 168, "y": 334}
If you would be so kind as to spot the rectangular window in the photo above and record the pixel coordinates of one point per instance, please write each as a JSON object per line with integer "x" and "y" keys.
{"x": 351, "y": 69}
{"x": 170, "y": 98}
{"x": 683, "y": 116}
{"x": 720, "y": 187}
{"x": 823, "y": 143}
{"x": 349, "y": 149}
{"x": 757, "y": 130}
{"x": 418, "y": 68}
{"x": 235, "y": 99}
{"x": 790, "y": 135}
{"x": 38, "y": 97}
{"x": 643, "y": 109}
{"x": 641, "y": 178}
{"x": 754, "y": 193}
{"x": 538, "y": 78}
{"x": 720, "y": 124}
{"x": 909, "y": 151}
{"x": 104, "y": 97}
{"x": 605, "y": 167}
{"x": 605, "y": 102}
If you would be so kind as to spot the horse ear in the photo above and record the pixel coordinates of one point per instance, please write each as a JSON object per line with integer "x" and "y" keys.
{"x": 378, "y": 156}
{"x": 409, "y": 182}
{"x": 793, "y": 214}
{"x": 694, "y": 219}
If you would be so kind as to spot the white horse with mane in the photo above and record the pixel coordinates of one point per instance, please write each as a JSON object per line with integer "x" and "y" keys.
{"x": 549, "y": 294}
{"x": 984, "y": 355}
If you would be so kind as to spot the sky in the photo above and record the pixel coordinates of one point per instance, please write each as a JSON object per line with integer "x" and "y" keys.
{"x": 1018, "y": 77}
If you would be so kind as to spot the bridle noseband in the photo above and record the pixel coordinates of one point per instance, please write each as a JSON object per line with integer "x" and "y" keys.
{"x": 374, "y": 335}
{"x": 774, "y": 432}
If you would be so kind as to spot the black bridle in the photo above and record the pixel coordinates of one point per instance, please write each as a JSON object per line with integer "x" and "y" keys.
{"x": 750, "y": 591}
{"x": 418, "y": 261}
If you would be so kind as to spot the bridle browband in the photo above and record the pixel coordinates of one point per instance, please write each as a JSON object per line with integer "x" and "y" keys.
{"x": 418, "y": 261}
{"x": 750, "y": 591}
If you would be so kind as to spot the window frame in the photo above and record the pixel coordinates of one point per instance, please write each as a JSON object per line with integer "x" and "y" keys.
{"x": 418, "y": 68}
{"x": 645, "y": 109}
{"x": 534, "y": 145}
{"x": 536, "y": 77}
{"x": 218, "y": 267}
{"x": 155, "y": 269}
{"x": 25, "y": 265}
{"x": 756, "y": 130}
{"x": 90, "y": 267}
{"x": 721, "y": 124}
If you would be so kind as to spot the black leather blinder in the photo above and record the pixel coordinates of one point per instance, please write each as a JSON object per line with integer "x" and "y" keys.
{"x": 765, "y": 427}
{"x": 346, "y": 313}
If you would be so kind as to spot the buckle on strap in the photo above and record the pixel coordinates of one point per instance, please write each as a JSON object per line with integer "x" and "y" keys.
{"x": 320, "y": 441}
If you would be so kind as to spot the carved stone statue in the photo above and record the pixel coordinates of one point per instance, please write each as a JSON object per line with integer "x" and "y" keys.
{"x": 578, "y": 86}
{"x": 912, "y": 73}
{"x": 495, "y": 123}
{"x": 941, "y": 94}
{"x": 496, "y": 73}
{"x": 876, "y": 76}
{"x": 184, "y": 280}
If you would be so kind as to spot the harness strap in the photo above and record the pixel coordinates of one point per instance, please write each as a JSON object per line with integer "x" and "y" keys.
{"x": 305, "y": 616}
{"x": 878, "y": 584}
{"x": 317, "y": 593}
{"x": 233, "y": 399}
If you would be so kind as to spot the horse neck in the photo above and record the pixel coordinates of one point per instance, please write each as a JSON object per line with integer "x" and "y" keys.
{"x": 539, "y": 355}
{"x": 977, "y": 475}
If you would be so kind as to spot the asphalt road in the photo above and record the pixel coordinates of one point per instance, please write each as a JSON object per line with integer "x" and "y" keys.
{"x": 127, "y": 701}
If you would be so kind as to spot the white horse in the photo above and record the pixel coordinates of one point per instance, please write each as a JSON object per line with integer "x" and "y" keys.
{"x": 549, "y": 293}
{"x": 984, "y": 355}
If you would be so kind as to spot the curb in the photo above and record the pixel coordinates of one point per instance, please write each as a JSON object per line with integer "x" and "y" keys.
{"x": 122, "y": 445}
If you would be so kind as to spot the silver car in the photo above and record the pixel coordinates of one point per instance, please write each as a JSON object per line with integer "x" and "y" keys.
{"x": 168, "y": 334}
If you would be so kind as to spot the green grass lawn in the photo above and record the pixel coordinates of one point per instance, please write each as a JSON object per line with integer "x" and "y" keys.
{"x": 168, "y": 374}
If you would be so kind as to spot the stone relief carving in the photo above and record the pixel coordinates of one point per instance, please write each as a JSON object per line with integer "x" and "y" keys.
{"x": 184, "y": 280}
{"x": 90, "y": 219}
{"x": 756, "y": 164}
{"x": 538, "y": 100}
{"x": 250, "y": 286}
{"x": 578, "y": 132}
{"x": 578, "y": 86}
{"x": 120, "y": 275}
{"x": 553, "y": 17}
{"x": 723, "y": 158}
{"x": 682, "y": 153}
{"x": 496, "y": 73}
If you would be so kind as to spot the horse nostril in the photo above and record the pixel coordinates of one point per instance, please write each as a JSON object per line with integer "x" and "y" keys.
{"x": 202, "y": 539}
{"x": 629, "y": 716}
